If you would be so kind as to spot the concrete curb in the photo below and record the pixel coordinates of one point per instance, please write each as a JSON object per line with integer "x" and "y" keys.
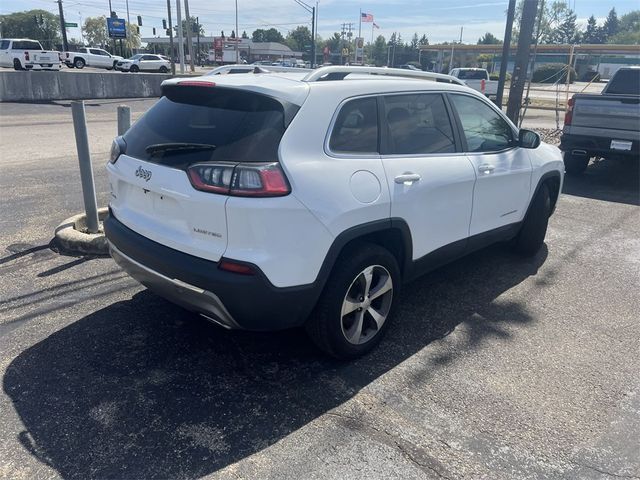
{"x": 71, "y": 239}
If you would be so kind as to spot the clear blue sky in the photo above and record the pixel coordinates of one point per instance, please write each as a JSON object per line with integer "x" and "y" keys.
{"x": 440, "y": 20}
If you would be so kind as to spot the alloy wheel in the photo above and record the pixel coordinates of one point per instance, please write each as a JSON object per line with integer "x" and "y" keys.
{"x": 366, "y": 305}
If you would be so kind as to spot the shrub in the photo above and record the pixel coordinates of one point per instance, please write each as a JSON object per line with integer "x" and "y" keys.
{"x": 496, "y": 76}
{"x": 552, "y": 73}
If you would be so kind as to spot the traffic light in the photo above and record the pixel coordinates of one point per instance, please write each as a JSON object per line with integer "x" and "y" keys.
{"x": 164, "y": 24}
{"x": 154, "y": 31}
{"x": 138, "y": 29}
{"x": 139, "y": 21}
{"x": 168, "y": 32}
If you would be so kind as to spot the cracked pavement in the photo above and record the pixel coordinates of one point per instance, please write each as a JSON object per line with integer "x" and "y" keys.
{"x": 496, "y": 367}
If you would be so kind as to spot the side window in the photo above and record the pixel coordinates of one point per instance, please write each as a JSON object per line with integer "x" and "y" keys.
{"x": 17, "y": 46}
{"x": 149, "y": 57}
{"x": 484, "y": 129}
{"x": 417, "y": 123}
{"x": 356, "y": 128}
{"x": 4, "y": 44}
{"x": 95, "y": 52}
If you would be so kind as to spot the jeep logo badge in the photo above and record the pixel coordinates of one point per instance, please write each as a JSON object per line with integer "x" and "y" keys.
{"x": 142, "y": 173}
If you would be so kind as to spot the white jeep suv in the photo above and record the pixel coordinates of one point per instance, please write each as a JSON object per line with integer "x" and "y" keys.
{"x": 272, "y": 200}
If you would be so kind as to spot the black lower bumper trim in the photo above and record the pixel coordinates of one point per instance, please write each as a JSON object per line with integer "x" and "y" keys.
{"x": 595, "y": 145}
{"x": 253, "y": 302}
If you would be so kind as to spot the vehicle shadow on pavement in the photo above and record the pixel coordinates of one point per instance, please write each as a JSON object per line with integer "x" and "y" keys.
{"x": 143, "y": 389}
{"x": 608, "y": 180}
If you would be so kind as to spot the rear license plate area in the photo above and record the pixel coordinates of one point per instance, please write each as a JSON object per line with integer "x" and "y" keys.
{"x": 623, "y": 145}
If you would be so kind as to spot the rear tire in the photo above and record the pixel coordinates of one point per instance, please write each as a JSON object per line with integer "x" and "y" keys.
{"x": 134, "y": 69}
{"x": 79, "y": 63}
{"x": 575, "y": 164}
{"x": 16, "y": 64}
{"x": 531, "y": 235}
{"x": 365, "y": 281}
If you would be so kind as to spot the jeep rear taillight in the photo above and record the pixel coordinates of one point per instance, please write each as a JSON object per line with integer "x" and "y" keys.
{"x": 240, "y": 180}
{"x": 568, "y": 116}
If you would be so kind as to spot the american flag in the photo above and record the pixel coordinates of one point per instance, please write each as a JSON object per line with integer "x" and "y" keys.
{"x": 366, "y": 17}
{"x": 375, "y": 25}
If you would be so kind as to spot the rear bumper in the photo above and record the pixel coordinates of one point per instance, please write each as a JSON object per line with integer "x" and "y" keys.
{"x": 248, "y": 302}
{"x": 598, "y": 145}
{"x": 43, "y": 66}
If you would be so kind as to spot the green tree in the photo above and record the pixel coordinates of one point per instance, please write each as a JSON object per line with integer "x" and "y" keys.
{"x": 628, "y": 29}
{"x": 270, "y": 35}
{"x": 195, "y": 26}
{"x": 244, "y": 34}
{"x": 611, "y": 24}
{"x": 423, "y": 40}
{"x": 299, "y": 39}
{"x": 379, "y": 51}
{"x": 36, "y": 24}
{"x": 566, "y": 31}
{"x": 592, "y": 35}
{"x": 489, "y": 39}
{"x": 415, "y": 41}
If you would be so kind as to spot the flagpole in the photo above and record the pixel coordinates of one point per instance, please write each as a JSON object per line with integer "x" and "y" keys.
{"x": 372, "y": 33}
{"x": 360, "y": 25}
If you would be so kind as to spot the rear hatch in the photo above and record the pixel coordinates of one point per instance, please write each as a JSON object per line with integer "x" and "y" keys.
{"x": 195, "y": 123}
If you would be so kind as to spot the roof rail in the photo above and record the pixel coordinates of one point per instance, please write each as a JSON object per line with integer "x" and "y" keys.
{"x": 250, "y": 68}
{"x": 337, "y": 72}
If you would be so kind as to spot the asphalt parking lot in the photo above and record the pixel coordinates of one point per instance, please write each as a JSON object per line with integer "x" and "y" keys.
{"x": 497, "y": 367}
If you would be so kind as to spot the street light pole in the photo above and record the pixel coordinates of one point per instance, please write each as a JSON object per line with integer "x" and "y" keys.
{"x": 189, "y": 39}
{"x": 172, "y": 53}
{"x": 65, "y": 43}
{"x": 180, "y": 39}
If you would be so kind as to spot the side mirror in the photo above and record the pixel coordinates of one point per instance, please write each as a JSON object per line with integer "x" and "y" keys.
{"x": 528, "y": 139}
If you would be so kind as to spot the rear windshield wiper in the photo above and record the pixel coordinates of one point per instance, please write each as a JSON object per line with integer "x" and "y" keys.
{"x": 171, "y": 147}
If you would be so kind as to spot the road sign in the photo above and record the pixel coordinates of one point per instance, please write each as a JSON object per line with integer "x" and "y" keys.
{"x": 117, "y": 28}
{"x": 70, "y": 24}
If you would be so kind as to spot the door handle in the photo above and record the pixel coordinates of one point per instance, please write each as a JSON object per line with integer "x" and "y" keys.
{"x": 407, "y": 178}
{"x": 486, "y": 168}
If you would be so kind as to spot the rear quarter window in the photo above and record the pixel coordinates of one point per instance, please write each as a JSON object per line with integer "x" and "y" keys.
{"x": 244, "y": 127}
{"x": 356, "y": 127}
{"x": 4, "y": 44}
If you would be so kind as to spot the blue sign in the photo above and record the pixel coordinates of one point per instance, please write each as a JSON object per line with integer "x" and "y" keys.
{"x": 117, "y": 28}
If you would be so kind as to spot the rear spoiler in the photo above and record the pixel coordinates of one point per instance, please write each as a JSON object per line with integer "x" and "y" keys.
{"x": 205, "y": 92}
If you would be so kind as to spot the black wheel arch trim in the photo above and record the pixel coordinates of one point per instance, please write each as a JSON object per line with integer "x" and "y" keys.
{"x": 554, "y": 174}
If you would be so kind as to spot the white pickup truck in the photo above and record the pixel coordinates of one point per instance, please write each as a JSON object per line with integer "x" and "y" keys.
{"x": 27, "y": 54}
{"x": 478, "y": 79}
{"x": 90, "y": 57}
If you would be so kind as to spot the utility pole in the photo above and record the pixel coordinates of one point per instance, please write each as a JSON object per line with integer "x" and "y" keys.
{"x": 506, "y": 48}
{"x": 189, "y": 40}
{"x": 65, "y": 43}
{"x": 312, "y": 11}
{"x": 237, "y": 37}
{"x": 180, "y": 39}
{"x": 198, "y": 34}
{"x": 172, "y": 53}
{"x": 128, "y": 22}
{"x": 519, "y": 76}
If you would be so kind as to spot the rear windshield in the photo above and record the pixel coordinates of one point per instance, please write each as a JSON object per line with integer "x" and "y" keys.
{"x": 242, "y": 126}
{"x": 26, "y": 45}
{"x": 472, "y": 75}
{"x": 625, "y": 82}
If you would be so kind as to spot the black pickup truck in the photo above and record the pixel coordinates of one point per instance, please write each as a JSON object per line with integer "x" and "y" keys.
{"x": 605, "y": 125}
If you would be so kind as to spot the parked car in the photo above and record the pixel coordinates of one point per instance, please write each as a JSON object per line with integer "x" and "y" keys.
{"x": 144, "y": 62}
{"x": 478, "y": 79}
{"x": 290, "y": 199}
{"x": 27, "y": 54}
{"x": 90, "y": 57}
{"x": 605, "y": 125}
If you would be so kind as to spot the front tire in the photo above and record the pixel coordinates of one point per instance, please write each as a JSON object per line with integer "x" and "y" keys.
{"x": 356, "y": 307}
{"x": 134, "y": 69}
{"x": 163, "y": 69}
{"x": 530, "y": 238}
{"x": 16, "y": 64}
{"x": 575, "y": 164}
